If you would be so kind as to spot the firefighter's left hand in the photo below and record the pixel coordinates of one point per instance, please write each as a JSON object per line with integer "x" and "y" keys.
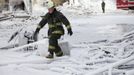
{"x": 70, "y": 32}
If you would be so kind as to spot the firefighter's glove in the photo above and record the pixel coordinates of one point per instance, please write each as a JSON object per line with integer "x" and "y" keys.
{"x": 70, "y": 32}
{"x": 35, "y": 35}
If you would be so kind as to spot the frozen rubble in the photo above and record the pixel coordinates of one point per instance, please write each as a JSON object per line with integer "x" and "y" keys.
{"x": 94, "y": 56}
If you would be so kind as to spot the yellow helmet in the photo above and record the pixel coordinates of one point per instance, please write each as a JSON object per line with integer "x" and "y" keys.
{"x": 50, "y": 4}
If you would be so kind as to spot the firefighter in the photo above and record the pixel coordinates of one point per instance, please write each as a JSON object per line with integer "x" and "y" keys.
{"x": 103, "y": 6}
{"x": 55, "y": 19}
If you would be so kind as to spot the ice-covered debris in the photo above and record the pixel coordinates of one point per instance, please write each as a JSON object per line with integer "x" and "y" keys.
{"x": 100, "y": 41}
{"x": 124, "y": 45}
{"x": 106, "y": 51}
{"x": 130, "y": 72}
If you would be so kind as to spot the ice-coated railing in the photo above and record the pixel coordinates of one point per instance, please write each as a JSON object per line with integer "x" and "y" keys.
{"x": 27, "y": 45}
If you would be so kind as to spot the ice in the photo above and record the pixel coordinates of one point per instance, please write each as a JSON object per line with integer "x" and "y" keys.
{"x": 99, "y": 42}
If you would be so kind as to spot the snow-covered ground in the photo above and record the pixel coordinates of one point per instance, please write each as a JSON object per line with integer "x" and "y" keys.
{"x": 98, "y": 41}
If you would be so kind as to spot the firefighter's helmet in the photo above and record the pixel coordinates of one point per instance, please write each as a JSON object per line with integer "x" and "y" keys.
{"x": 49, "y": 4}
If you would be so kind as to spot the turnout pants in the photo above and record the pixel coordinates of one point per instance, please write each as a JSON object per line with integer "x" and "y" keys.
{"x": 53, "y": 44}
{"x": 103, "y": 9}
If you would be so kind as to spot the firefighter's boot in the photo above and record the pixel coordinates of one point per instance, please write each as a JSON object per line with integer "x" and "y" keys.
{"x": 59, "y": 54}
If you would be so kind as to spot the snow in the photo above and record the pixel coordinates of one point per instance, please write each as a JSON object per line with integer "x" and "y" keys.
{"x": 99, "y": 41}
